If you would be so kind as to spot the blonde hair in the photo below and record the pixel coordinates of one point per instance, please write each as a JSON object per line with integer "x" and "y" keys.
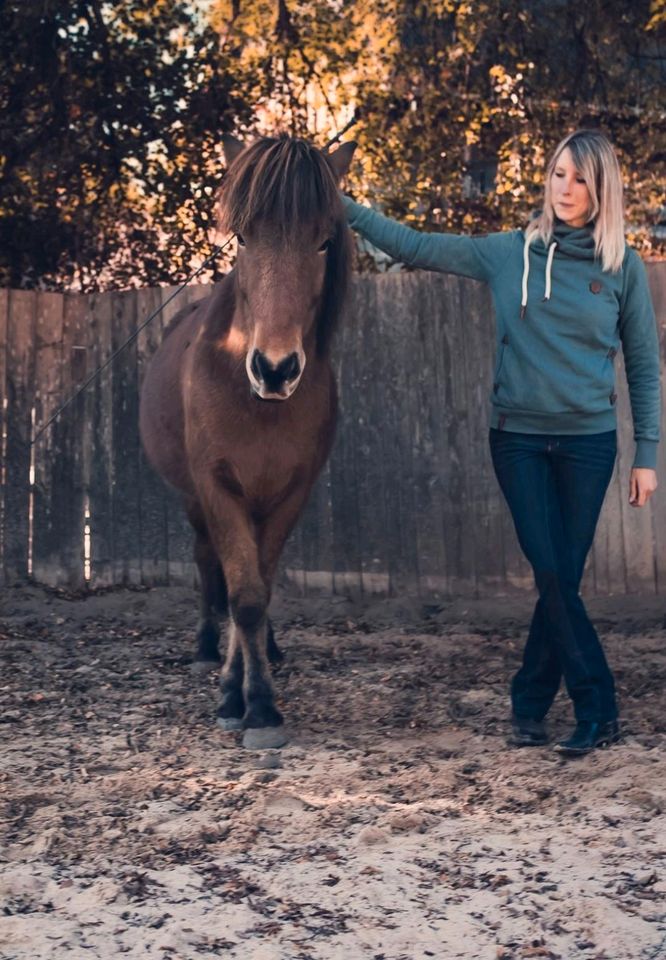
{"x": 594, "y": 158}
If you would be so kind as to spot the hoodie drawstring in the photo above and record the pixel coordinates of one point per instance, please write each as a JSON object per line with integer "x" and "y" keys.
{"x": 549, "y": 266}
{"x": 526, "y": 273}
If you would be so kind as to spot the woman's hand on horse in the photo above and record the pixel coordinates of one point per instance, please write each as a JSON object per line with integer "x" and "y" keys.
{"x": 642, "y": 484}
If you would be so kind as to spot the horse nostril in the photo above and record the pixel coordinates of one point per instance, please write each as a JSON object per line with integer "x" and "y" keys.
{"x": 256, "y": 365}
{"x": 291, "y": 367}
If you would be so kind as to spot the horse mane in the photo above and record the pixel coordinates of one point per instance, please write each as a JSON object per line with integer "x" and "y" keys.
{"x": 287, "y": 183}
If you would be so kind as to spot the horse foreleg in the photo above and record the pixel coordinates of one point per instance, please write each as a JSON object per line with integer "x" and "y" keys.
{"x": 262, "y": 720}
{"x": 231, "y": 711}
{"x": 212, "y": 600}
{"x": 272, "y": 535}
{"x": 273, "y": 532}
{"x": 233, "y": 535}
{"x": 212, "y": 593}
{"x": 273, "y": 652}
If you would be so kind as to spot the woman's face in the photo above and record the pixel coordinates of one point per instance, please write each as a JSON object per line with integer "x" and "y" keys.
{"x": 569, "y": 193}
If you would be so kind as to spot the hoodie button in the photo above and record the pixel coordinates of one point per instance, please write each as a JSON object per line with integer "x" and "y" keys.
{"x": 595, "y": 286}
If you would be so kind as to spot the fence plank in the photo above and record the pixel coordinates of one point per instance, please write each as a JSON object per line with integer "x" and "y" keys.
{"x": 70, "y": 432}
{"x": 179, "y": 535}
{"x": 126, "y": 490}
{"x": 375, "y": 452}
{"x": 393, "y": 424}
{"x": 344, "y": 503}
{"x": 483, "y": 493}
{"x": 20, "y": 398}
{"x": 154, "y": 516}
{"x": 423, "y": 333}
{"x": 439, "y": 398}
{"x": 100, "y": 479}
{"x": 4, "y": 313}
{"x": 46, "y": 540}
{"x": 319, "y": 565}
{"x": 657, "y": 280}
{"x": 636, "y": 524}
{"x": 460, "y": 543}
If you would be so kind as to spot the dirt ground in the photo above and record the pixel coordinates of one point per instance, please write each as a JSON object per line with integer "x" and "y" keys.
{"x": 396, "y": 825}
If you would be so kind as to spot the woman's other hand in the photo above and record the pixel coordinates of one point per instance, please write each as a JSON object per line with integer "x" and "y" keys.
{"x": 642, "y": 484}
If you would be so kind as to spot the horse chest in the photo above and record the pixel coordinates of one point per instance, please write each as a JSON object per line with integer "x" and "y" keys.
{"x": 263, "y": 479}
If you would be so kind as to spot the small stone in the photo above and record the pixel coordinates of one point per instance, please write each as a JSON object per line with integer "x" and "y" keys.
{"x": 201, "y": 668}
{"x": 229, "y": 724}
{"x": 268, "y": 761}
{"x": 407, "y": 820}
{"x": 266, "y": 776}
{"x": 372, "y": 835}
{"x": 264, "y": 738}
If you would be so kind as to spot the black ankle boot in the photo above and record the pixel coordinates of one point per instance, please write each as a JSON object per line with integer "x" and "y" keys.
{"x": 526, "y": 732}
{"x": 588, "y": 735}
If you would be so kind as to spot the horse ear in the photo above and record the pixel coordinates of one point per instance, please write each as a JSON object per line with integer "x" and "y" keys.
{"x": 232, "y": 148}
{"x": 340, "y": 161}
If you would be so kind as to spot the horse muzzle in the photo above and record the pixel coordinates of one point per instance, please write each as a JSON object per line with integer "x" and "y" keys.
{"x": 274, "y": 381}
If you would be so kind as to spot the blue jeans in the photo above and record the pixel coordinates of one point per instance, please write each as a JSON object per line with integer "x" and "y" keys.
{"x": 555, "y": 486}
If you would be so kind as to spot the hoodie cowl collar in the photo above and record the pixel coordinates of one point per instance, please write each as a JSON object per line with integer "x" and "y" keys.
{"x": 577, "y": 242}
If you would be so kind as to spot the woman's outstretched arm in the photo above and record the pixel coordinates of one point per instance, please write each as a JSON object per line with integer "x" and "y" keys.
{"x": 477, "y": 257}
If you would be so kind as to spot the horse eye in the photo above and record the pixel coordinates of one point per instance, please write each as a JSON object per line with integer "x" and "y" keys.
{"x": 241, "y": 242}
{"x": 326, "y": 245}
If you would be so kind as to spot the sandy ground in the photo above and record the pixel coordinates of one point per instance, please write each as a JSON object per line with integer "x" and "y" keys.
{"x": 397, "y": 825}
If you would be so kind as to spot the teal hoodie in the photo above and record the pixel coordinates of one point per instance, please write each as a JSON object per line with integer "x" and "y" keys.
{"x": 560, "y": 321}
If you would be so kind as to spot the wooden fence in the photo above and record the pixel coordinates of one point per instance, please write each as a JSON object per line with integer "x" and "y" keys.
{"x": 407, "y": 501}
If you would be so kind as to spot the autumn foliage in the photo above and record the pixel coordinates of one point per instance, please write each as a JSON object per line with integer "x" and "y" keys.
{"x": 112, "y": 115}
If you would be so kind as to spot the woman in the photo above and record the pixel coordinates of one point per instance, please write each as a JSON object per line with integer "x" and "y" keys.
{"x": 567, "y": 292}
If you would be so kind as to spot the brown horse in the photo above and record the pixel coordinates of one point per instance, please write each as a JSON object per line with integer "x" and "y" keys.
{"x": 238, "y": 406}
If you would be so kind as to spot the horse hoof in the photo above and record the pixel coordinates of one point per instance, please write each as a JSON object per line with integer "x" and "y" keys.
{"x": 201, "y": 668}
{"x": 230, "y": 723}
{"x": 264, "y": 738}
